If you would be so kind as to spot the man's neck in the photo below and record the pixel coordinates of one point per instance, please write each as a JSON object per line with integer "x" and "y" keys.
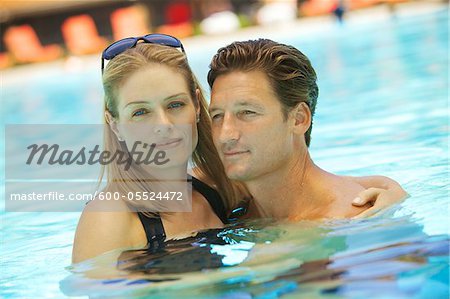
{"x": 293, "y": 192}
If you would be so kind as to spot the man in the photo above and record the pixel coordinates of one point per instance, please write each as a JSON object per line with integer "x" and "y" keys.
{"x": 263, "y": 97}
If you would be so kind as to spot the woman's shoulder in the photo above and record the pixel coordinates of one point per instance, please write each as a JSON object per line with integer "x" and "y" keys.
{"x": 105, "y": 203}
{"x": 103, "y": 226}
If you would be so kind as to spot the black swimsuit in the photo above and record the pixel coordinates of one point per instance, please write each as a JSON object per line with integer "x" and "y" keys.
{"x": 154, "y": 229}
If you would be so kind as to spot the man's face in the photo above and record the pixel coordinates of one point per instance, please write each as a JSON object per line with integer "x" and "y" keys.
{"x": 249, "y": 130}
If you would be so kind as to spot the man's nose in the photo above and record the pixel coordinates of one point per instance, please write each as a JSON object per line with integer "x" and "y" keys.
{"x": 229, "y": 132}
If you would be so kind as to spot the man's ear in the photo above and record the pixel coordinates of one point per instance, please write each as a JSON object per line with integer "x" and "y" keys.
{"x": 112, "y": 123}
{"x": 301, "y": 118}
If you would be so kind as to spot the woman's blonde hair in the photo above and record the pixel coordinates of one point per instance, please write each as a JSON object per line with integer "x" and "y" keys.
{"x": 205, "y": 156}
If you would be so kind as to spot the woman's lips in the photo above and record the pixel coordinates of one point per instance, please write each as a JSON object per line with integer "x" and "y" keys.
{"x": 168, "y": 143}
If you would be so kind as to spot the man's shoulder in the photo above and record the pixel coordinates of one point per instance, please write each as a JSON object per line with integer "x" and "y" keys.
{"x": 344, "y": 190}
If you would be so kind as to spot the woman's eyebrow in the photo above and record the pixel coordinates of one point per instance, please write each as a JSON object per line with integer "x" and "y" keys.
{"x": 147, "y": 102}
{"x": 135, "y": 103}
{"x": 175, "y": 95}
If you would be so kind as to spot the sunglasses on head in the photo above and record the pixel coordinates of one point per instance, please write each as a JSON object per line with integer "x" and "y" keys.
{"x": 122, "y": 45}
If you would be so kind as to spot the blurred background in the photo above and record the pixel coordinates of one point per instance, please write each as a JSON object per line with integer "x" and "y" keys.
{"x": 39, "y": 31}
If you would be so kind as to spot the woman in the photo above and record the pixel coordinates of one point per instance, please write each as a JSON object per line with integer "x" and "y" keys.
{"x": 150, "y": 83}
{"x": 153, "y": 84}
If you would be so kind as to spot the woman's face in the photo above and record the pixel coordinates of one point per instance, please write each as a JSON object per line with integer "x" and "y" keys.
{"x": 155, "y": 107}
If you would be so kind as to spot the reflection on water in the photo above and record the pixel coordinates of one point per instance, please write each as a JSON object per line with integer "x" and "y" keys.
{"x": 383, "y": 256}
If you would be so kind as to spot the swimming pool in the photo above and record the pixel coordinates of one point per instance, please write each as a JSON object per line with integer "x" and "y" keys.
{"x": 383, "y": 109}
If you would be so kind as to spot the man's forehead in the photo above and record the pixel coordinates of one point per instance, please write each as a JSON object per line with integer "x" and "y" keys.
{"x": 234, "y": 96}
{"x": 240, "y": 85}
{"x": 239, "y": 77}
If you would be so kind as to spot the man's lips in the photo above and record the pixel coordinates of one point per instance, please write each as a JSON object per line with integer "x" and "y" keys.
{"x": 168, "y": 143}
{"x": 234, "y": 153}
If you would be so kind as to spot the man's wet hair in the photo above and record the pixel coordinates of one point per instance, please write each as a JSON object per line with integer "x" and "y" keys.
{"x": 289, "y": 71}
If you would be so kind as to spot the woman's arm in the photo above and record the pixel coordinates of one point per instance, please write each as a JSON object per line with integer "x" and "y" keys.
{"x": 99, "y": 231}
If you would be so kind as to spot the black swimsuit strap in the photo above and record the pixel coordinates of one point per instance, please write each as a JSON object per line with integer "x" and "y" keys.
{"x": 154, "y": 229}
{"x": 212, "y": 196}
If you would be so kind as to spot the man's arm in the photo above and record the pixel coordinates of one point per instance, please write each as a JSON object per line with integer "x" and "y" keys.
{"x": 380, "y": 191}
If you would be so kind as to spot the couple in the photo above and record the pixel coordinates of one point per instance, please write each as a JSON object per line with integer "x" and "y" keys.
{"x": 250, "y": 150}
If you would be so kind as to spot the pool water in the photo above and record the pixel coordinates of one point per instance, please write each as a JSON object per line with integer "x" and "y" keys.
{"x": 383, "y": 109}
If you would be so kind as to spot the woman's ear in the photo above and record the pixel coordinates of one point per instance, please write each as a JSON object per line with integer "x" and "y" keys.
{"x": 112, "y": 123}
{"x": 301, "y": 118}
{"x": 197, "y": 103}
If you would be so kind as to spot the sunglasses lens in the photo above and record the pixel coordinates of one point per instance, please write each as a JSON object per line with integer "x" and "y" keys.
{"x": 122, "y": 45}
{"x": 162, "y": 39}
{"x": 118, "y": 47}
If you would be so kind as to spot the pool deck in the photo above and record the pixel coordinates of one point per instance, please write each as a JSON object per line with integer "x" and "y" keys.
{"x": 302, "y": 27}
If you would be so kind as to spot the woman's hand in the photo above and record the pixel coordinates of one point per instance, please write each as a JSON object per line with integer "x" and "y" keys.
{"x": 381, "y": 192}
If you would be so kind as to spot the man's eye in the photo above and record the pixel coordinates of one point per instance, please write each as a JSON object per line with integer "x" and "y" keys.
{"x": 216, "y": 116}
{"x": 139, "y": 112}
{"x": 247, "y": 113}
{"x": 176, "y": 105}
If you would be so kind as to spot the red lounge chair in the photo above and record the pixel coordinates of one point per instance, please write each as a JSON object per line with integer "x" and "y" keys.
{"x": 393, "y": 1}
{"x": 130, "y": 21}
{"x": 357, "y": 4}
{"x": 81, "y": 36}
{"x": 179, "y": 30}
{"x": 24, "y": 45}
{"x": 317, "y": 7}
{"x": 5, "y": 61}
{"x": 178, "y": 20}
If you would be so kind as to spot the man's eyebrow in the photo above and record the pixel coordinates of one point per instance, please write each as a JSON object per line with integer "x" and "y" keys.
{"x": 147, "y": 102}
{"x": 212, "y": 109}
{"x": 243, "y": 103}
{"x": 247, "y": 103}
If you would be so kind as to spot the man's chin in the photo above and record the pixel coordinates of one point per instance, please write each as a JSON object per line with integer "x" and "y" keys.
{"x": 238, "y": 174}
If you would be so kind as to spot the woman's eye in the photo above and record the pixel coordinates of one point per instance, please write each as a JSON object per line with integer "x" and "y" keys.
{"x": 176, "y": 105}
{"x": 139, "y": 112}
